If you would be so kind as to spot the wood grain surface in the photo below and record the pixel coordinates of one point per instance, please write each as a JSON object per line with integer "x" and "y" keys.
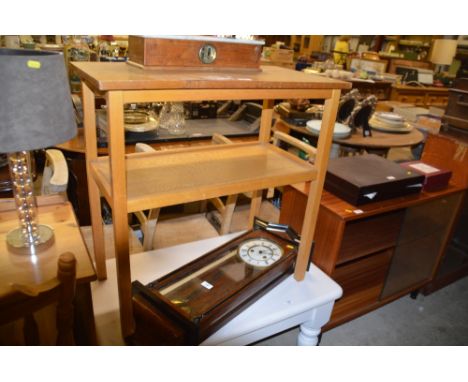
{"x": 104, "y": 76}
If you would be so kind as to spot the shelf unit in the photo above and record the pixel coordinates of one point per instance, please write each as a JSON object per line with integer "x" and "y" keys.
{"x": 131, "y": 182}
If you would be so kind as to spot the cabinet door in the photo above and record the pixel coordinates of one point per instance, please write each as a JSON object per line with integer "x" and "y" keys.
{"x": 455, "y": 260}
{"x": 362, "y": 281}
{"x": 422, "y": 238}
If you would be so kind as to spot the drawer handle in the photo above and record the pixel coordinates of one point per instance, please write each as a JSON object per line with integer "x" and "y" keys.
{"x": 460, "y": 101}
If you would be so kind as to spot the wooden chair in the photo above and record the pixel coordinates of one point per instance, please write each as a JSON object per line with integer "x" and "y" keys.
{"x": 225, "y": 209}
{"x": 222, "y": 216}
{"x": 28, "y": 300}
{"x": 55, "y": 174}
{"x": 279, "y": 137}
{"x": 149, "y": 219}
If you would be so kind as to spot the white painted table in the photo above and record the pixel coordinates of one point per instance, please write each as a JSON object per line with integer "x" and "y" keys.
{"x": 308, "y": 303}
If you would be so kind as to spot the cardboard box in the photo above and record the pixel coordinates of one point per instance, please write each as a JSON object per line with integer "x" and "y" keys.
{"x": 435, "y": 178}
{"x": 278, "y": 55}
{"x": 428, "y": 122}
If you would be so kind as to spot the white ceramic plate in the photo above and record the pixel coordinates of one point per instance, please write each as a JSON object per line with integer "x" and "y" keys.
{"x": 383, "y": 120}
{"x": 379, "y": 126}
{"x": 152, "y": 124}
{"x": 389, "y": 117}
{"x": 339, "y": 131}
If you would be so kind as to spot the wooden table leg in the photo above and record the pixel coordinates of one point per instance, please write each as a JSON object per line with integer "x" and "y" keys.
{"x": 84, "y": 324}
{"x": 315, "y": 192}
{"x": 93, "y": 190}
{"x": 115, "y": 118}
{"x": 255, "y": 205}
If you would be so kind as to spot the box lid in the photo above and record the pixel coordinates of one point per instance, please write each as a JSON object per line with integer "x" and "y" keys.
{"x": 370, "y": 178}
{"x": 435, "y": 178}
{"x": 368, "y": 170}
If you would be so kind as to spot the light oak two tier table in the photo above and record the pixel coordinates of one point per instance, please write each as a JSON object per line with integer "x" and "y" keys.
{"x": 133, "y": 182}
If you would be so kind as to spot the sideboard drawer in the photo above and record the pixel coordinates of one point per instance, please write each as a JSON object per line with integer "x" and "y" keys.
{"x": 365, "y": 236}
{"x": 436, "y": 99}
{"x": 417, "y": 100}
{"x": 362, "y": 281}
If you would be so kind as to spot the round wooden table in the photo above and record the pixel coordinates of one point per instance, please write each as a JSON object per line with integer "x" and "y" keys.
{"x": 379, "y": 143}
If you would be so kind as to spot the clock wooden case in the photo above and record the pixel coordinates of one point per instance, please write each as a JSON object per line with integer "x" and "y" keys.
{"x": 192, "y": 302}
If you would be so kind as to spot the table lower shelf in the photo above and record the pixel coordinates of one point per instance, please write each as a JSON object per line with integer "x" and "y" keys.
{"x": 180, "y": 176}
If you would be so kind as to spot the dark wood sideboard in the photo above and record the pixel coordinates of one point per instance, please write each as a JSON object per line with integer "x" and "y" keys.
{"x": 380, "y": 251}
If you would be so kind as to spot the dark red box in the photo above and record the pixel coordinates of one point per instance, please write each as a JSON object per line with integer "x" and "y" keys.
{"x": 435, "y": 178}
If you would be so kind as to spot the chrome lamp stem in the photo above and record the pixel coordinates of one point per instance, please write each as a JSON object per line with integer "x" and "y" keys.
{"x": 29, "y": 234}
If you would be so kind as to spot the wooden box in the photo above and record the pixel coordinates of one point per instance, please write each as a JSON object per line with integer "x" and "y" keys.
{"x": 194, "y": 52}
{"x": 192, "y": 302}
{"x": 370, "y": 178}
{"x": 278, "y": 55}
{"x": 435, "y": 178}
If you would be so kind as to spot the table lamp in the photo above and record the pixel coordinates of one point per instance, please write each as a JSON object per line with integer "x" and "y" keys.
{"x": 443, "y": 52}
{"x": 35, "y": 112}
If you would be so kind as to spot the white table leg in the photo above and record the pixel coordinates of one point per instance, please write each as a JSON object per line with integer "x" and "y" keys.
{"x": 310, "y": 329}
{"x": 308, "y": 334}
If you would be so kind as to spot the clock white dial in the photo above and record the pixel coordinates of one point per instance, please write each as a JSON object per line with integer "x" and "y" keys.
{"x": 260, "y": 253}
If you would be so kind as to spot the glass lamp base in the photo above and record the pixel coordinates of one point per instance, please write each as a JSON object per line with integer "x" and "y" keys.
{"x": 16, "y": 239}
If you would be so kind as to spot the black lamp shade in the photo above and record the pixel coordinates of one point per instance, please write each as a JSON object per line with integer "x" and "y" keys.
{"x": 36, "y": 110}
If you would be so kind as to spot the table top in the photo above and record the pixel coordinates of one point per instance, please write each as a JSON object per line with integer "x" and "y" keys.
{"x": 288, "y": 299}
{"x": 348, "y": 212}
{"x": 122, "y": 76}
{"x": 21, "y": 271}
